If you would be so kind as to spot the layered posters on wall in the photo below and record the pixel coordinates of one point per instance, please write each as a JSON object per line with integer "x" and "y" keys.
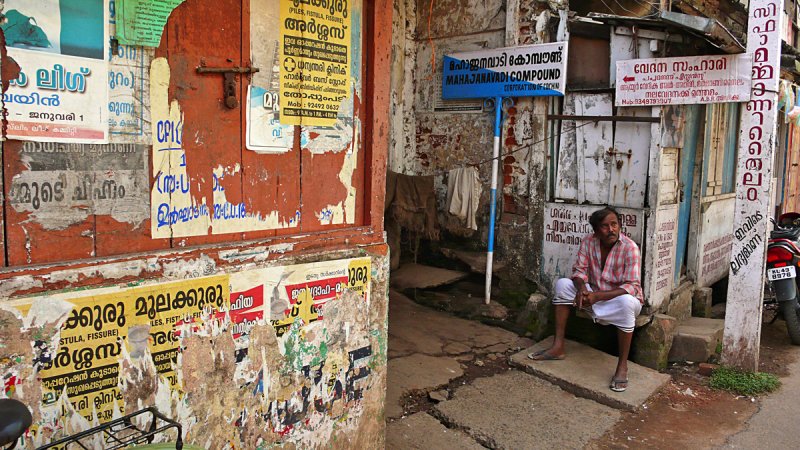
{"x": 128, "y": 84}
{"x": 61, "y": 93}
{"x": 104, "y": 333}
{"x": 265, "y": 132}
{"x": 309, "y": 54}
{"x": 296, "y": 295}
{"x": 81, "y": 365}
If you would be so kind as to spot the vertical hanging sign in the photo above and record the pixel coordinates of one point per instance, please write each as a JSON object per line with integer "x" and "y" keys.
{"x": 753, "y": 186}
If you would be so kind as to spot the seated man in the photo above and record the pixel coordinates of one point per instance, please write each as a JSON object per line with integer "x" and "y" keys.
{"x": 605, "y": 282}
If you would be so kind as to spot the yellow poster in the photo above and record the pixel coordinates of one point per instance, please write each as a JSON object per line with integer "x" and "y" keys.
{"x": 315, "y": 55}
{"x": 101, "y": 328}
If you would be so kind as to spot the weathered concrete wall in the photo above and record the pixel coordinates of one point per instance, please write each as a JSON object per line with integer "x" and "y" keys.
{"x": 449, "y": 140}
{"x": 404, "y": 56}
{"x": 294, "y": 356}
{"x": 441, "y": 140}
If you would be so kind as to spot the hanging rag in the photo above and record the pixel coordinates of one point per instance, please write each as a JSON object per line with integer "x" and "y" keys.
{"x": 411, "y": 201}
{"x": 464, "y": 190}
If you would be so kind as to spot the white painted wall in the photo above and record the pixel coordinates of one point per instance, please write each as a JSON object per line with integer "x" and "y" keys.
{"x": 564, "y": 227}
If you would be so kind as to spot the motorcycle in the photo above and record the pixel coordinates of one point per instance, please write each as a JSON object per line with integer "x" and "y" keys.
{"x": 783, "y": 259}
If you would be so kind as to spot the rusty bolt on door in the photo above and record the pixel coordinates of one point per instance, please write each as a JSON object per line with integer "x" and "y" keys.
{"x": 229, "y": 81}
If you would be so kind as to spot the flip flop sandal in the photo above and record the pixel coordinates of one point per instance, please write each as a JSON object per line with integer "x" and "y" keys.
{"x": 542, "y": 355}
{"x": 618, "y": 385}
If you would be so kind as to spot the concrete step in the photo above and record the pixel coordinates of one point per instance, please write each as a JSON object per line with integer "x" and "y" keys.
{"x": 696, "y": 339}
{"x": 587, "y": 372}
{"x": 475, "y": 260}
{"x": 420, "y": 276}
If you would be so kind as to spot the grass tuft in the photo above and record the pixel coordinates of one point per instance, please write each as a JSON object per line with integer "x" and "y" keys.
{"x": 744, "y": 383}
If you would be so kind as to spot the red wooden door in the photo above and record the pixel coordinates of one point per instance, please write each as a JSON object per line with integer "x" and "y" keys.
{"x": 316, "y": 185}
{"x": 219, "y": 168}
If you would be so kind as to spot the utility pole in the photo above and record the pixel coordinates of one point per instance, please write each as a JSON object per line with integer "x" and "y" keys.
{"x": 753, "y": 189}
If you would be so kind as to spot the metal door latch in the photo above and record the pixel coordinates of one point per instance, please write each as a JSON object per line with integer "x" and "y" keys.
{"x": 229, "y": 81}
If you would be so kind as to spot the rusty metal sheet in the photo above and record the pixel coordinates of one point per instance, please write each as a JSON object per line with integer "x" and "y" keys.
{"x": 594, "y": 139}
{"x": 100, "y": 190}
{"x": 341, "y": 180}
{"x": 629, "y": 162}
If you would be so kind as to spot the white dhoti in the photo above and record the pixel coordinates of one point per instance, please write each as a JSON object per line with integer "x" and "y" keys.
{"x": 619, "y": 311}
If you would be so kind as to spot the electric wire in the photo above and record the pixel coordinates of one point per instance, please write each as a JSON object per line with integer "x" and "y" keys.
{"x": 525, "y": 147}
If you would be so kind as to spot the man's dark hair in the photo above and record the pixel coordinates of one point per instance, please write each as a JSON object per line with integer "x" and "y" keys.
{"x": 599, "y": 215}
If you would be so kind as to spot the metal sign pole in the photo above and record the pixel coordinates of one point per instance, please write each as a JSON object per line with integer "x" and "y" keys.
{"x": 497, "y": 75}
{"x": 499, "y": 104}
{"x": 498, "y": 121}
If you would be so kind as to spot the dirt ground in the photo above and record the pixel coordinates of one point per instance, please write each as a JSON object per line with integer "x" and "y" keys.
{"x": 689, "y": 414}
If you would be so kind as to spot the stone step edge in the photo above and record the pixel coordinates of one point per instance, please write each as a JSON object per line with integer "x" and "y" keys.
{"x": 576, "y": 390}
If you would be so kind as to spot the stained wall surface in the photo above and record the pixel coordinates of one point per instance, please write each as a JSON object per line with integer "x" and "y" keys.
{"x": 206, "y": 252}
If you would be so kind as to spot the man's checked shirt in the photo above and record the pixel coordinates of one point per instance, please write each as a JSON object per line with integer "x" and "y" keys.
{"x": 622, "y": 270}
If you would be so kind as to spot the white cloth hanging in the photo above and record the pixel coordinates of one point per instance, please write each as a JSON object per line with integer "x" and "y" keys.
{"x": 464, "y": 191}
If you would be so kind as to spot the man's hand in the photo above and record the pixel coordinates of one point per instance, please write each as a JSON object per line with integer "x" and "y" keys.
{"x": 582, "y": 291}
{"x": 586, "y": 299}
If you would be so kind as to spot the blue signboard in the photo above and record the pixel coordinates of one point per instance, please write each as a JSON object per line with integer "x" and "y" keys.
{"x": 526, "y": 71}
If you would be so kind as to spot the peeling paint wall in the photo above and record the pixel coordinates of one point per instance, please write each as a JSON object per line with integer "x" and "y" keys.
{"x": 280, "y": 353}
{"x": 75, "y": 201}
{"x": 261, "y": 324}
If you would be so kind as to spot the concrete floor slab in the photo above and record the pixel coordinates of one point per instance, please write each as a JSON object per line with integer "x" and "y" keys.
{"x": 420, "y": 431}
{"x": 587, "y": 372}
{"x": 515, "y": 410}
{"x": 417, "y": 372}
{"x": 416, "y": 329}
{"x": 419, "y": 276}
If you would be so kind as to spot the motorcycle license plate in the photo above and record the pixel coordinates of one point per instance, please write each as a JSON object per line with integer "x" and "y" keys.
{"x": 781, "y": 273}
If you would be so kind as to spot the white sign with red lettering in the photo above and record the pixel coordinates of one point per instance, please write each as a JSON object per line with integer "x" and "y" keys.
{"x": 684, "y": 81}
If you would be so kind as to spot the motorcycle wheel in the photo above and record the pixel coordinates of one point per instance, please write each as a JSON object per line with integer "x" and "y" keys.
{"x": 790, "y": 312}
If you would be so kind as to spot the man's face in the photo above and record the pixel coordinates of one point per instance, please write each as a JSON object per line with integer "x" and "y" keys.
{"x": 608, "y": 230}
